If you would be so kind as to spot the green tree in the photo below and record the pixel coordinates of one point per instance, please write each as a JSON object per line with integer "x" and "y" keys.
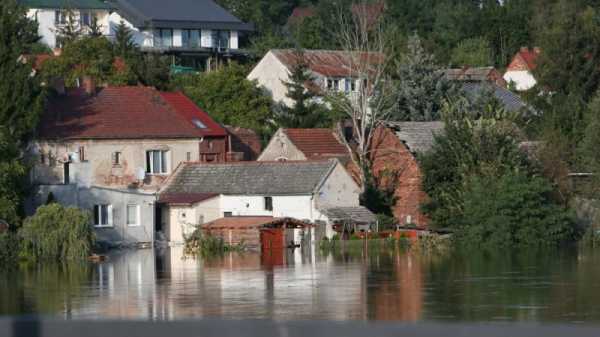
{"x": 304, "y": 111}
{"x": 473, "y": 142}
{"x": 123, "y": 44}
{"x": 473, "y": 52}
{"x": 229, "y": 97}
{"x": 513, "y": 209}
{"x": 589, "y": 160}
{"x": 421, "y": 86}
{"x": 71, "y": 30}
{"x": 21, "y": 102}
{"x": 57, "y": 233}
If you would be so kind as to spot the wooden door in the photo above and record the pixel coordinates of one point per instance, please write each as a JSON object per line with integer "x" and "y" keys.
{"x": 272, "y": 238}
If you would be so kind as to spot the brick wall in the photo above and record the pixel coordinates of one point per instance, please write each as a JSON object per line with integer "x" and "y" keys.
{"x": 394, "y": 165}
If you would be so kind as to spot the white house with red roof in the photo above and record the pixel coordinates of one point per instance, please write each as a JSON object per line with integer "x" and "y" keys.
{"x": 520, "y": 69}
{"x": 331, "y": 70}
{"x": 110, "y": 150}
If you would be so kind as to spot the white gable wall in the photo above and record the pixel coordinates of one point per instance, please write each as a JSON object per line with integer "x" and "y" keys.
{"x": 281, "y": 148}
{"x": 270, "y": 74}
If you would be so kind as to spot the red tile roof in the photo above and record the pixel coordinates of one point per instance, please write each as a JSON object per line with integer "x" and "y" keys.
{"x": 124, "y": 113}
{"x": 331, "y": 63}
{"x": 239, "y": 222}
{"x": 253, "y": 222}
{"x": 185, "y": 198}
{"x": 525, "y": 59}
{"x": 245, "y": 141}
{"x": 316, "y": 143}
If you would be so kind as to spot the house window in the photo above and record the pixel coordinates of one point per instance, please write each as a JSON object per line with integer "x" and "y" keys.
{"x": 163, "y": 38}
{"x": 185, "y": 38}
{"x": 81, "y": 153}
{"x": 157, "y": 162}
{"x": 60, "y": 17}
{"x": 329, "y": 84}
{"x": 336, "y": 85}
{"x": 352, "y": 84}
{"x": 86, "y": 19}
{"x": 133, "y": 215}
{"x": 194, "y": 39}
{"x": 269, "y": 204}
{"x": 103, "y": 215}
{"x": 116, "y": 158}
{"x": 227, "y": 214}
{"x": 347, "y": 85}
{"x": 220, "y": 38}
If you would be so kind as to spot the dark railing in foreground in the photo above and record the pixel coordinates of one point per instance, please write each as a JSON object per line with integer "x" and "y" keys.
{"x": 42, "y": 327}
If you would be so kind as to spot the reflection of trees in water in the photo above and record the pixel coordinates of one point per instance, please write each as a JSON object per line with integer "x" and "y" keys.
{"x": 43, "y": 288}
{"x": 498, "y": 285}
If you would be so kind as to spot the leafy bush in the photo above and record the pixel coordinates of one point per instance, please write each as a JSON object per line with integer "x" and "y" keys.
{"x": 513, "y": 209}
{"x": 57, "y": 233}
{"x": 208, "y": 245}
{"x": 9, "y": 248}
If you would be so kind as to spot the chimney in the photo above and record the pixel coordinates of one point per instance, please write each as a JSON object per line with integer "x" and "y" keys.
{"x": 89, "y": 85}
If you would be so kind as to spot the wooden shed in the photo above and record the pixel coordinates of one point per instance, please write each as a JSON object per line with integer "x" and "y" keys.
{"x": 258, "y": 232}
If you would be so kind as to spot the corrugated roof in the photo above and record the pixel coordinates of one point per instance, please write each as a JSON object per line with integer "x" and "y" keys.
{"x": 179, "y": 14}
{"x": 124, "y": 113}
{"x": 316, "y": 143}
{"x": 59, "y": 4}
{"x": 330, "y": 63}
{"x": 251, "y": 178}
{"x": 510, "y": 100}
{"x": 358, "y": 214}
{"x": 418, "y": 136}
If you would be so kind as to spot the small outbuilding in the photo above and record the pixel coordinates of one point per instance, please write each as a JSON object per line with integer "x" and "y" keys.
{"x": 259, "y": 232}
{"x": 351, "y": 219}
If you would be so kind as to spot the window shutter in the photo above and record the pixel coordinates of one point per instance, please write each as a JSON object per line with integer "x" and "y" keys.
{"x": 82, "y": 153}
{"x": 110, "y": 215}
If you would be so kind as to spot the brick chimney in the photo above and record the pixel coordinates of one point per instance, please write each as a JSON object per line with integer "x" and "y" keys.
{"x": 89, "y": 85}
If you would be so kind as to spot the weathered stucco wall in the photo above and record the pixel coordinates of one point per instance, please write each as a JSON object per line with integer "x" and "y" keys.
{"x": 280, "y": 147}
{"x": 180, "y": 220}
{"x": 338, "y": 190}
{"x": 97, "y": 168}
{"x": 85, "y": 198}
{"x": 270, "y": 74}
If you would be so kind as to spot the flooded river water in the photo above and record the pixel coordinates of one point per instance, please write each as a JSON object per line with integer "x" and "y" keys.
{"x": 392, "y": 284}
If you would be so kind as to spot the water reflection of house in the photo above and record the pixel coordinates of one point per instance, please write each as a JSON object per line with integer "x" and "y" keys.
{"x": 401, "y": 297}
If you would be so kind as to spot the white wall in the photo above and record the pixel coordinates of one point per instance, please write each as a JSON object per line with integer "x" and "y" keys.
{"x": 523, "y": 79}
{"x": 142, "y": 38}
{"x": 183, "y": 220}
{"x": 280, "y": 147}
{"x": 270, "y": 74}
{"x": 48, "y": 30}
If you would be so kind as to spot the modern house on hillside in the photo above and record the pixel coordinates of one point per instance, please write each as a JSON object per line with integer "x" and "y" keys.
{"x": 196, "y": 33}
{"x": 520, "y": 69}
{"x": 332, "y": 70}
{"x": 109, "y": 152}
{"x": 303, "y": 190}
{"x": 52, "y": 15}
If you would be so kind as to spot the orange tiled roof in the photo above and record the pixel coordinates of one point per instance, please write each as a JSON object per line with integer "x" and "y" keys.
{"x": 316, "y": 143}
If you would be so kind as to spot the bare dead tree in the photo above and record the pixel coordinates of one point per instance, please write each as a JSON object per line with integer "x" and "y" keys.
{"x": 364, "y": 40}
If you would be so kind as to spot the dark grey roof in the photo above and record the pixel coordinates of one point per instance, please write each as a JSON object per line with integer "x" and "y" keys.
{"x": 251, "y": 178}
{"x": 418, "y": 136}
{"x": 511, "y": 101}
{"x": 191, "y": 14}
{"x": 357, "y": 214}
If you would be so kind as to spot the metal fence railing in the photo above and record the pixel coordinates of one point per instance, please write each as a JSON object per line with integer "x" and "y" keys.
{"x": 45, "y": 327}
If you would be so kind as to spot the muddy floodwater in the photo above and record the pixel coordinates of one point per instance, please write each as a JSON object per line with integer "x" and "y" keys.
{"x": 561, "y": 286}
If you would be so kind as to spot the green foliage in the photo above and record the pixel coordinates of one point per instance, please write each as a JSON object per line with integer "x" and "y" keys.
{"x": 71, "y": 30}
{"x": 472, "y": 143}
{"x": 21, "y": 101}
{"x": 88, "y": 56}
{"x": 305, "y": 112}
{"x": 474, "y": 52}
{"x": 9, "y": 248}
{"x": 57, "y": 233}
{"x": 199, "y": 244}
{"x": 513, "y": 209}
{"x": 420, "y": 86}
{"x": 589, "y": 160}
{"x": 229, "y": 97}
